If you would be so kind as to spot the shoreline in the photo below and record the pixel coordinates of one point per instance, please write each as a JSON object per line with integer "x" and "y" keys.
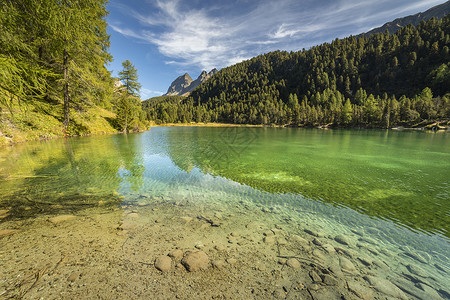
{"x": 438, "y": 128}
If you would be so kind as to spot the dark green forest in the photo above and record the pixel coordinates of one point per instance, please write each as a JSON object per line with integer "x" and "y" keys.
{"x": 381, "y": 81}
{"x": 53, "y": 74}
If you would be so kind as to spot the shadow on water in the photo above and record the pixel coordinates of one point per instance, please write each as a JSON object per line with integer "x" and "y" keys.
{"x": 65, "y": 176}
{"x": 399, "y": 176}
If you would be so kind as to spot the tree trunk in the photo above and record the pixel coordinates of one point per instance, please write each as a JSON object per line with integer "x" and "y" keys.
{"x": 66, "y": 88}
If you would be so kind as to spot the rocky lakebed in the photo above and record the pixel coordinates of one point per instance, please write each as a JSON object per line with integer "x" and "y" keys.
{"x": 166, "y": 248}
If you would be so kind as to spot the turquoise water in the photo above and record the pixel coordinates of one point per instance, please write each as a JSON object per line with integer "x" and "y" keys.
{"x": 402, "y": 177}
{"x": 391, "y": 186}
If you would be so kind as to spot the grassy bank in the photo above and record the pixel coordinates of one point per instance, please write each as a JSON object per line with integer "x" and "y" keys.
{"x": 41, "y": 120}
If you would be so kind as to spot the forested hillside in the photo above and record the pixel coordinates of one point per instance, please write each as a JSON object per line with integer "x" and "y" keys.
{"x": 379, "y": 81}
{"x": 53, "y": 78}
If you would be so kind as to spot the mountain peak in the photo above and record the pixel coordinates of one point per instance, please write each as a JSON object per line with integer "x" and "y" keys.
{"x": 185, "y": 84}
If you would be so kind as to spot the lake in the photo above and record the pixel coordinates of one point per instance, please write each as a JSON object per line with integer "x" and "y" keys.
{"x": 89, "y": 216}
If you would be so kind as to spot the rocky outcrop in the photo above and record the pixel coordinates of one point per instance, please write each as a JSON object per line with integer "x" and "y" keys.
{"x": 438, "y": 11}
{"x": 185, "y": 84}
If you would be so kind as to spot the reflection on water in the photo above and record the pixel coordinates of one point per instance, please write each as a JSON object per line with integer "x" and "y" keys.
{"x": 402, "y": 176}
{"x": 387, "y": 191}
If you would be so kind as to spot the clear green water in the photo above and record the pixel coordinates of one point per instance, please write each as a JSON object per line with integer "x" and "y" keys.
{"x": 399, "y": 176}
{"x": 392, "y": 185}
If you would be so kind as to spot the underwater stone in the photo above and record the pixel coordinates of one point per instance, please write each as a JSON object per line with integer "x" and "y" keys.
{"x": 342, "y": 239}
{"x": 359, "y": 290}
{"x": 315, "y": 277}
{"x": 293, "y": 263}
{"x": 195, "y": 261}
{"x": 329, "y": 248}
{"x": 386, "y": 287}
{"x": 346, "y": 264}
{"x": 176, "y": 254}
{"x": 218, "y": 264}
{"x": 163, "y": 263}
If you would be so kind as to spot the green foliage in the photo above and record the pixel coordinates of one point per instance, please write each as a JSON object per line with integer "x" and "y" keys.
{"x": 370, "y": 72}
{"x": 54, "y": 52}
{"x": 129, "y": 78}
{"x": 130, "y": 116}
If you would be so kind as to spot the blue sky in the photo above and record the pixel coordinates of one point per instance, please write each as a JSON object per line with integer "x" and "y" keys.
{"x": 165, "y": 39}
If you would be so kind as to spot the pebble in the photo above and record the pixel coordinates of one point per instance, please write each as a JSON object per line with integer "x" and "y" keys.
{"x": 342, "y": 239}
{"x": 176, "y": 254}
{"x": 220, "y": 248}
{"x": 73, "y": 276}
{"x": 359, "y": 290}
{"x": 195, "y": 261}
{"x": 293, "y": 263}
{"x": 314, "y": 287}
{"x": 218, "y": 264}
{"x": 232, "y": 261}
{"x": 318, "y": 255}
{"x": 346, "y": 264}
{"x": 314, "y": 276}
{"x": 199, "y": 245}
{"x": 163, "y": 263}
{"x": 268, "y": 233}
{"x": 61, "y": 218}
{"x": 282, "y": 261}
{"x": 329, "y": 248}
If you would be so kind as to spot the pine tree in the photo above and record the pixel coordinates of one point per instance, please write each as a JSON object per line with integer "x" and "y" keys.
{"x": 129, "y": 78}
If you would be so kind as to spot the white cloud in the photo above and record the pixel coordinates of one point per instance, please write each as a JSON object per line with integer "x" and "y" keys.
{"x": 146, "y": 93}
{"x": 209, "y": 37}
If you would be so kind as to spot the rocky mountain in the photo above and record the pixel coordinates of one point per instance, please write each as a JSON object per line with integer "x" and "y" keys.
{"x": 438, "y": 11}
{"x": 184, "y": 84}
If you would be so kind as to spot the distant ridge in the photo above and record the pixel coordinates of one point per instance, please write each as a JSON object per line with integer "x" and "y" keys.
{"x": 438, "y": 11}
{"x": 184, "y": 84}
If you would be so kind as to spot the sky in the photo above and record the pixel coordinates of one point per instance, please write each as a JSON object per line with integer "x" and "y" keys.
{"x": 167, "y": 38}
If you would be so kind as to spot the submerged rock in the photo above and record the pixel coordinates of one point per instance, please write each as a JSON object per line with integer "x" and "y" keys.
{"x": 293, "y": 263}
{"x": 195, "y": 261}
{"x": 342, "y": 239}
{"x": 359, "y": 290}
{"x": 176, "y": 254}
{"x": 163, "y": 263}
{"x": 346, "y": 265}
{"x": 386, "y": 287}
